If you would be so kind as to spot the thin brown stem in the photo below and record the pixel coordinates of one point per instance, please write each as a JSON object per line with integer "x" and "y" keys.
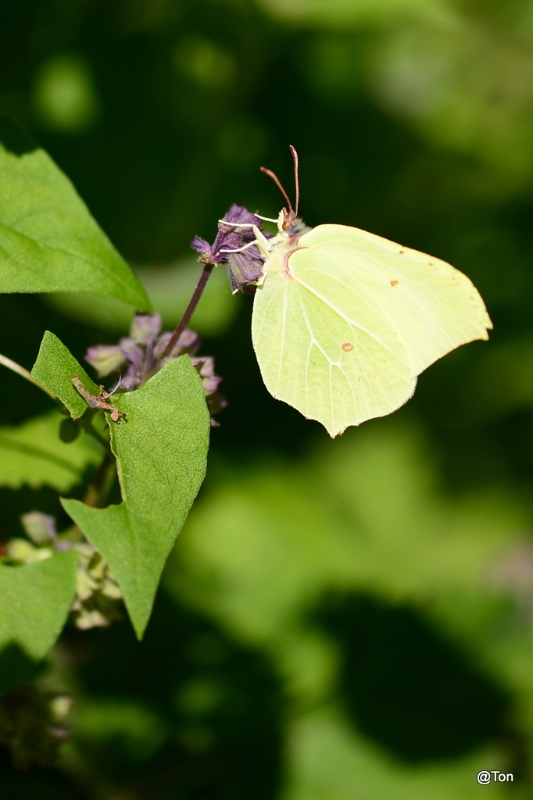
{"x": 189, "y": 311}
{"x": 25, "y": 373}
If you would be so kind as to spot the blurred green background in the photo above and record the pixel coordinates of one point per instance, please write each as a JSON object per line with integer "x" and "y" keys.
{"x": 341, "y": 620}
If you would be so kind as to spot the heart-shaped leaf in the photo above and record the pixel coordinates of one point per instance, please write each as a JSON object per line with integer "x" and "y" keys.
{"x": 49, "y": 242}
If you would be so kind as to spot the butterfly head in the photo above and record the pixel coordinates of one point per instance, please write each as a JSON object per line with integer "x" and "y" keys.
{"x": 290, "y": 224}
{"x": 287, "y": 219}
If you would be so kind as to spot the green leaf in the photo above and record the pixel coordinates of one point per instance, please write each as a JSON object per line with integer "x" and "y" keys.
{"x": 34, "y": 603}
{"x": 48, "y": 240}
{"x": 33, "y": 454}
{"x": 54, "y": 368}
{"x": 161, "y": 450}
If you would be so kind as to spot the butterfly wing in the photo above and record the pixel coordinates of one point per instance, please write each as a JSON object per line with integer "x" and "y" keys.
{"x": 429, "y": 304}
{"x": 344, "y": 324}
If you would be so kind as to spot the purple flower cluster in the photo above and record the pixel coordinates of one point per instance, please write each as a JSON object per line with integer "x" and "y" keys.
{"x": 140, "y": 355}
{"x": 244, "y": 268}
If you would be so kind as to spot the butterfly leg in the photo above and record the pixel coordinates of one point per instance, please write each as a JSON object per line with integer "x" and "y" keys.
{"x": 266, "y": 219}
{"x": 260, "y": 240}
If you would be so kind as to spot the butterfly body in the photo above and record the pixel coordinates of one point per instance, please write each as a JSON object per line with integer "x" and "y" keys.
{"x": 280, "y": 247}
{"x": 344, "y": 321}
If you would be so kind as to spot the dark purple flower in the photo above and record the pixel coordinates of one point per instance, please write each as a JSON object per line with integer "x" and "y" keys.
{"x": 139, "y": 356}
{"x": 245, "y": 267}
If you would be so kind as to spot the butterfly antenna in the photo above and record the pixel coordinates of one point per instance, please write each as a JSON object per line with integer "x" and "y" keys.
{"x": 294, "y": 155}
{"x": 278, "y": 184}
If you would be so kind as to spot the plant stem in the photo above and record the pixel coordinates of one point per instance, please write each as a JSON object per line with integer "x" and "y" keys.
{"x": 14, "y": 367}
{"x": 189, "y": 311}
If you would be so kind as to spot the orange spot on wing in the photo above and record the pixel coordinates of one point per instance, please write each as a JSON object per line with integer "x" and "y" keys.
{"x": 394, "y": 283}
{"x": 347, "y": 346}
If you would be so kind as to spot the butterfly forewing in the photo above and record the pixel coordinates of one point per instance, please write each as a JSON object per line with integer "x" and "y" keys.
{"x": 432, "y": 307}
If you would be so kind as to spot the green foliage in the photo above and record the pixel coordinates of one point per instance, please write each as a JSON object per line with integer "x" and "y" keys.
{"x": 34, "y": 602}
{"x": 32, "y": 726}
{"x": 161, "y": 450}
{"x": 64, "y": 95}
{"x": 33, "y": 454}
{"x": 282, "y": 521}
{"x": 365, "y": 514}
{"x": 337, "y": 13}
{"x": 436, "y": 65}
{"x": 48, "y": 240}
{"x": 136, "y": 730}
